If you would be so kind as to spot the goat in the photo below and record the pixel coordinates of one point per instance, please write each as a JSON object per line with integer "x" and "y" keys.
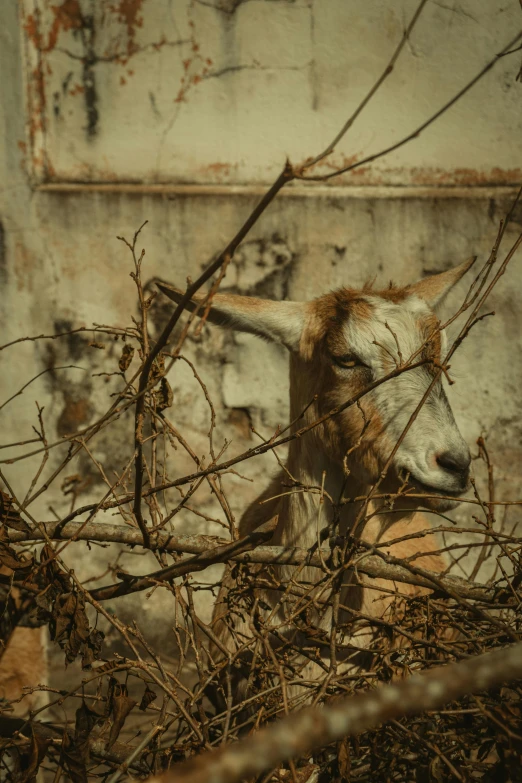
{"x": 338, "y": 344}
{"x": 23, "y": 660}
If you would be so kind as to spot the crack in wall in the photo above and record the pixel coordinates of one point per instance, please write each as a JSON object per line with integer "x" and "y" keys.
{"x": 253, "y": 67}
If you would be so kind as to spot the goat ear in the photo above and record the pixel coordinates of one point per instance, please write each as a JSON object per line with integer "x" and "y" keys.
{"x": 279, "y": 322}
{"x": 433, "y": 289}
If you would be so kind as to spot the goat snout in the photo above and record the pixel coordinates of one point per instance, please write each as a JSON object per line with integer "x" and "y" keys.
{"x": 456, "y": 463}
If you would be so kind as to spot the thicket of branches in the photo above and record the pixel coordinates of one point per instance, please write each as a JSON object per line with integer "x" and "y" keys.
{"x": 140, "y": 710}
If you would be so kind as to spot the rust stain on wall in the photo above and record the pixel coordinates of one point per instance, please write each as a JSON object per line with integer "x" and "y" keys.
{"x": 462, "y": 176}
{"x": 128, "y": 12}
{"x": 428, "y": 176}
{"x": 78, "y": 89}
{"x": 218, "y": 171}
{"x": 196, "y": 67}
{"x": 67, "y": 16}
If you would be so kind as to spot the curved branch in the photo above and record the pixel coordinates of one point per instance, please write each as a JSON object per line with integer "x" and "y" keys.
{"x": 215, "y": 550}
{"x": 313, "y": 728}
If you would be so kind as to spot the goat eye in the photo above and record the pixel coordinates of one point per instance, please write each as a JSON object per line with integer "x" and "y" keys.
{"x": 348, "y": 361}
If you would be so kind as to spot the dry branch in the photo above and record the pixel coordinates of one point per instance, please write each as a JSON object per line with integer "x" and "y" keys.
{"x": 219, "y": 550}
{"x": 308, "y": 730}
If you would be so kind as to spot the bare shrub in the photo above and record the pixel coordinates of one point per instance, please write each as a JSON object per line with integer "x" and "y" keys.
{"x": 137, "y": 708}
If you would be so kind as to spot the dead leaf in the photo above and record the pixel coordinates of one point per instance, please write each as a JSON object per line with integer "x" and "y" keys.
{"x": 86, "y": 720}
{"x": 148, "y": 697}
{"x": 122, "y": 704}
{"x": 158, "y": 368}
{"x": 10, "y": 516}
{"x": 12, "y": 560}
{"x": 92, "y": 650}
{"x": 343, "y": 758}
{"x": 69, "y": 625}
{"x": 37, "y": 751}
{"x": 436, "y": 770}
{"x": 126, "y": 357}
{"x": 164, "y": 396}
{"x": 56, "y": 581}
{"x": 7, "y": 617}
{"x": 73, "y": 760}
{"x": 486, "y": 748}
{"x": 111, "y": 689}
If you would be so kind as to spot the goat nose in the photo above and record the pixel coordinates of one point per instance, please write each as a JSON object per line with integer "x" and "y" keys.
{"x": 455, "y": 462}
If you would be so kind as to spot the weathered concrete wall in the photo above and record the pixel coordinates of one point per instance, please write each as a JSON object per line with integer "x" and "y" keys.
{"x": 290, "y": 72}
{"x": 220, "y": 90}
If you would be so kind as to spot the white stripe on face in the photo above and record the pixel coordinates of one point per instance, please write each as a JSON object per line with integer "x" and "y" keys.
{"x": 392, "y": 328}
{"x": 391, "y": 335}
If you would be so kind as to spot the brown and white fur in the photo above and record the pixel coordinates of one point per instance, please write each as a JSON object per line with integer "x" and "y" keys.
{"x": 23, "y": 663}
{"x": 339, "y": 344}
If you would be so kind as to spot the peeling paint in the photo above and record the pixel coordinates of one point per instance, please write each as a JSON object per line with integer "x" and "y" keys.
{"x": 261, "y": 267}
{"x": 461, "y": 176}
{"x": 129, "y": 12}
{"x": 46, "y": 28}
{"x": 67, "y": 16}
{"x": 427, "y": 175}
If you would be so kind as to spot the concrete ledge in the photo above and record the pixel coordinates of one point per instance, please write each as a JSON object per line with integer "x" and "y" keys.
{"x": 291, "y": 191}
